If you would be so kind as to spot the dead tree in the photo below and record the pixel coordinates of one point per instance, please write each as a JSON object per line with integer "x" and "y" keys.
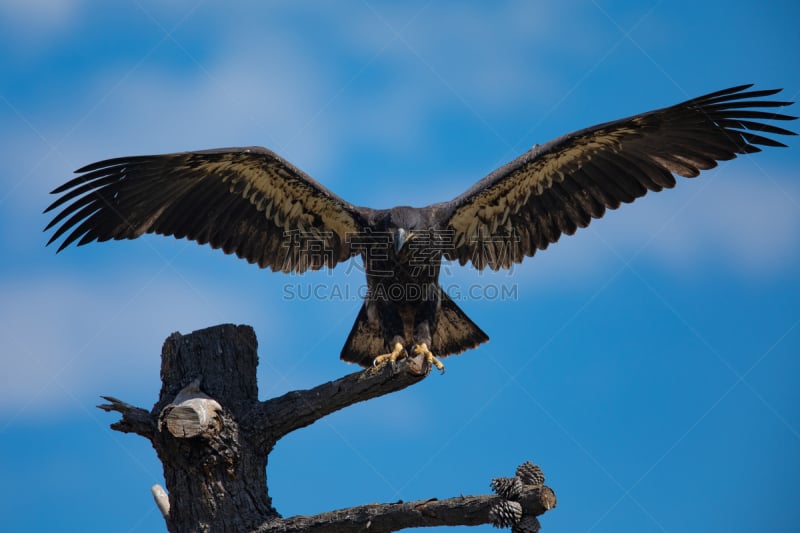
{"x": 213, "y": 437}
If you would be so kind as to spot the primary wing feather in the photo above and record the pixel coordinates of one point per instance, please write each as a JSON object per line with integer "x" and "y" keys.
{"x": 246, "y": 201}
{"x": 556, "y": 188}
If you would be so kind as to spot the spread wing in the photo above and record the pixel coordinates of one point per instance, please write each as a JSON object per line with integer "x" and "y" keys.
{"x": 561, "y": 186}
{"x": 246, "y": 201}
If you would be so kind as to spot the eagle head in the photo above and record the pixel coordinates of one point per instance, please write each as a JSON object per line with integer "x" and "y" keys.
{"x": 403, "y": 221}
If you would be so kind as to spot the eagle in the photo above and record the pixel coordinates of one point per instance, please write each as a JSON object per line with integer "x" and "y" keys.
{"x": 252, "y": 202}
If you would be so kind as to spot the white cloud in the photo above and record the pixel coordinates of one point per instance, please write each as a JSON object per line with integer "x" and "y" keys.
{"x": 745, "y": 225}
{"x": 488, "y": 55}
{"x": 36, "y": 18}
{"x": 235, "y": 102}
{"x": 68, "y": 338}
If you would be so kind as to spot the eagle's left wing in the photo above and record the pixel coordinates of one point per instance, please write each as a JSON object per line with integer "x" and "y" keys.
{"x": 561, "y": 186}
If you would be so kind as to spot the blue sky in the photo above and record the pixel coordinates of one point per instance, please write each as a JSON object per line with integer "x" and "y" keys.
{"x": 648, "y": 363}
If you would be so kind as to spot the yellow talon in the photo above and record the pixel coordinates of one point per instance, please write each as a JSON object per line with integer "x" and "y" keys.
{"x": 422, "y": 349}
{"x": 390, "y": 357}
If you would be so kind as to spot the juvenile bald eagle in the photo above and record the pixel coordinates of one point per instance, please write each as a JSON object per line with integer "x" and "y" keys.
{"x": 253, "y": 203}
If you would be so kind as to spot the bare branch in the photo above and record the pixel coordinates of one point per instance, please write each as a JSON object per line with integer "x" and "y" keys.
{"x": 275, "y": 418}
{"x": 134, "y": 419}
{"x": 387, "y": 517}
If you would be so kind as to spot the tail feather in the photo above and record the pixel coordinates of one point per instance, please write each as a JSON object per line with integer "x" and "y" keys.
{"x": 453, "y": 334}
{"x": 365, "y": 341}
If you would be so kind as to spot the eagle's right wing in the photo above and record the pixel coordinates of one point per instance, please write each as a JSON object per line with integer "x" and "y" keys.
{"x": 246, "y": 201}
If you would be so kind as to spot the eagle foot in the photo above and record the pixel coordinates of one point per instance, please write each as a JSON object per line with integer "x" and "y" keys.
{"x": 422, "y": 349}
{"x": 389, "y": 357}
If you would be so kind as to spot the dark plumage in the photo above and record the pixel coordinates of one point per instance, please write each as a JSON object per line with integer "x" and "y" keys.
{"x": 251, "y": 202}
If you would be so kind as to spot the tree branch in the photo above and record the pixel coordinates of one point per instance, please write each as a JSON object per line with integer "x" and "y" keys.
{"x": 387, "y": 517}
{"x": 274, "y": 418}
{"x": 134, "y": 419}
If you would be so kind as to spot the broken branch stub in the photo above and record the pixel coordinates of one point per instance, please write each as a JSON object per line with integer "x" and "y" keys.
{"x": 191, "y": 414}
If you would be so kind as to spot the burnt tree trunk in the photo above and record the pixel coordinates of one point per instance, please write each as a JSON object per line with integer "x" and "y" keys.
{"x": 213, "y": 437}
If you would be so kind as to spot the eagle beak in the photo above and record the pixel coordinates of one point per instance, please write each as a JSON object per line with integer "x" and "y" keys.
{"x": 401, "y": 237}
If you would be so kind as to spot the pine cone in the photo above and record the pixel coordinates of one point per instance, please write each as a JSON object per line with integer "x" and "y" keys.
{"x": 505, "y": 514}
{"x": 509, "y": 488}
{"x": 528, "y": 524}
{"x": 530, "y": 474}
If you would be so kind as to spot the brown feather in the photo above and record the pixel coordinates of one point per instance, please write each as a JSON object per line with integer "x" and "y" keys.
{"x": 556, "y": 188}
{"x": 242, "y": 200}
